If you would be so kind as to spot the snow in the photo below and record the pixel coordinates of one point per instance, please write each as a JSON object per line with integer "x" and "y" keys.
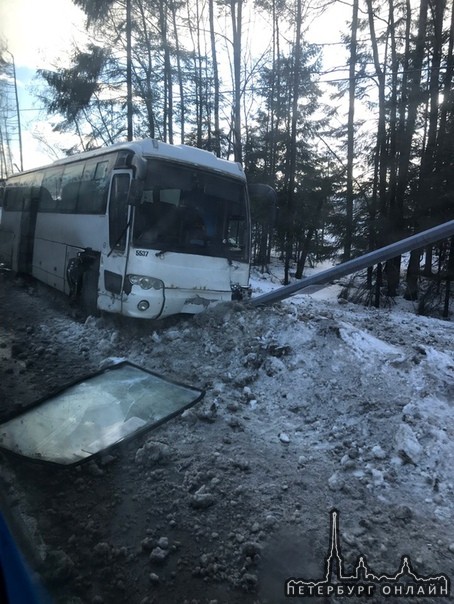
{"x": 415, "y": 356}
{"x": 366, "y": 346}
{"x": 310, "y": 404}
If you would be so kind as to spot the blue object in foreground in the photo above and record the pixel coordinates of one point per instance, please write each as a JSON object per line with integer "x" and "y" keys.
{"x": 17, "y": 584}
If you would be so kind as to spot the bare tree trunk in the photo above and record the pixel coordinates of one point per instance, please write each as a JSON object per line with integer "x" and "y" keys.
{"x": 413, "y": 93}
{"x": 129, "y": 70}
{"x": 411, "y": 99}
{"x": 395, "y": 212}
{"x": 378, "y": 284}
{"x": 168, "y": 79}
{"x": 179, "y": 72}
{"x": 145, "y": 86}
{"x": 197, "y": 70}
{"x": 449, "y": 278}
{"x": 274, "y": 87}
{"x": 310, "y": 232}
{"x": 426, "y": 180}
{"x": 351, "y": 134}
{"x": 381, "y": 131}
{"x": 411, "y": 291}
{"x": 216, "y": 83}
{"x": 236, "y": 13}
{"x": 392, "y": 269}
{"x": 447, "y": 93}
{"x": 291, "y": 179}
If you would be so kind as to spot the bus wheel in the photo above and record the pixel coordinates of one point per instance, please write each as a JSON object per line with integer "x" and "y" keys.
{"x": 89, "y": 292}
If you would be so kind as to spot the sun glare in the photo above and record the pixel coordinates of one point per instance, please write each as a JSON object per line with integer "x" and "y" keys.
{"x": 38, "y": 32}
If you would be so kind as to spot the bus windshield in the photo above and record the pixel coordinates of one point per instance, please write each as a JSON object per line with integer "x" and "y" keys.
{"x": 194, "y": 211}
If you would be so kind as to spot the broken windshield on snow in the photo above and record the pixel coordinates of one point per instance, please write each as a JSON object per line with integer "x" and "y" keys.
{"x": 95, "y": 414}
{"x": 192, "y": 211}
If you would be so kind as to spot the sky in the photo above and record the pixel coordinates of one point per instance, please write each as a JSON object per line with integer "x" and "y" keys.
{"x": 39, "y": 33}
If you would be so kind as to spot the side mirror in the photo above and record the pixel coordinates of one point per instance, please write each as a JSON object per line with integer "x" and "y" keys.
{"x": 263, "y": 192}
{"x": 135, "y": 193}
{"x": 263, "y": 203}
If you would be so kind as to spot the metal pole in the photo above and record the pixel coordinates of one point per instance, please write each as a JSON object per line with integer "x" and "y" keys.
{"x": 420, "y": 240}
{"x": 17, "y": 111}
{"x": 3, "y": 164}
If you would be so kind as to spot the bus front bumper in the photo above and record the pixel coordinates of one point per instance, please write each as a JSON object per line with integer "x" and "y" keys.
{"x": 157, "y": 304}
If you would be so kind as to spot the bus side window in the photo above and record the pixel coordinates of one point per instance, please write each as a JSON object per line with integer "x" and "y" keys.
{"x": 46, "y": 201}
{"x": 69, "y": 194}
{"x": 72, "y": 176}
{"x": 118, "y": 211}
{"x": 13, "y": 199}
{"x": 93, "y": 188}
{"x": 51, "y": 191}
{"x": 101, "y": 170}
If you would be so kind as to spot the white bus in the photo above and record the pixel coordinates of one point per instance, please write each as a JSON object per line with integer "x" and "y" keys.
{"x": 144, "y": 229}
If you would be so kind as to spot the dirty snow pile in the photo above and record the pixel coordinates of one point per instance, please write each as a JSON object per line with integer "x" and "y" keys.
{"x": 309, "y": 405}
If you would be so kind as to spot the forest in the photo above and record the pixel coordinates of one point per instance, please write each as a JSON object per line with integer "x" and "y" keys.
{"x": 241, "y": 79}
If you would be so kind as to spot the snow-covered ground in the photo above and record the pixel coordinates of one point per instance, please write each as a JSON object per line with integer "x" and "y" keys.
{"x": 310, "y": 405}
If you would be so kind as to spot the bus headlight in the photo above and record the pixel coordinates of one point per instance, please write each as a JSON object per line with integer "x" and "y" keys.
{"x": 145, "y": 282}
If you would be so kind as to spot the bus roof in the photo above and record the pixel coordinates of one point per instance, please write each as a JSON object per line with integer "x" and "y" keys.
{"x": 185, "y": 153}
{"x": 148, "y": 148}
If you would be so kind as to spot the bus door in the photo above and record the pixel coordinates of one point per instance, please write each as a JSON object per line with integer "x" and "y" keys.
{"x": 114, "y": 253}
{"x": 27, "y": 231}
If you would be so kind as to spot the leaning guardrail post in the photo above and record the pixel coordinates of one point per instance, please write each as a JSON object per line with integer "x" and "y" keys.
{"x": 438, "y": 233}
